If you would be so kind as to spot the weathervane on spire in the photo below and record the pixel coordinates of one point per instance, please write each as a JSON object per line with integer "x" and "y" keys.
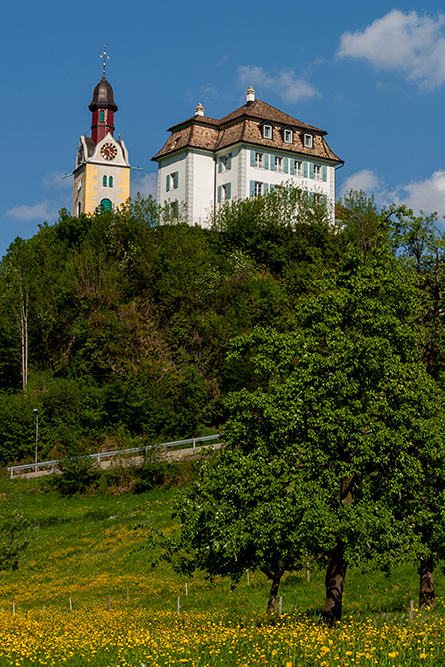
{"x": 104, "y": 59}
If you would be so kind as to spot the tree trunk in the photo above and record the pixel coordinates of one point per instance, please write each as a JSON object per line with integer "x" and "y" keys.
{"x": 334, "y": 581}
{"x": 426, "y": 591}
{"x": 274, "y": 592}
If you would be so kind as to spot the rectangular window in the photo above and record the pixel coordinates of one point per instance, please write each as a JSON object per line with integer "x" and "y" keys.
{"x": 298, "y": 167}
{"x": 224, "y": 192}
{"x": 259, "y": 160}
{"x": 308, "y": 141}
{"x": 267, "y": 131}
{"x": 225, "y": 163}
{"x": 318, "y": 172}
{"x": 174, "y": 177}
{"x": 288, "y": 136}
{"x": 258, "y": 190}
{"x": 279, "y": 164}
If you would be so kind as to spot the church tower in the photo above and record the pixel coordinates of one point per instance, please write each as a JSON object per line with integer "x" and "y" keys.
{"x": 102, "y": 170}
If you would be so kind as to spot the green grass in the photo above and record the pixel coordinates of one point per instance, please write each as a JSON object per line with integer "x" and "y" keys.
{"x": 88, "y": 548}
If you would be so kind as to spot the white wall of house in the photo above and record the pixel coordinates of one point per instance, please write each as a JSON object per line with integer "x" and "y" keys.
{"x": 204, "y": 181}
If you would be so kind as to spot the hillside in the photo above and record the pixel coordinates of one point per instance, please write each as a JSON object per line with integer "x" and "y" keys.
{"x": 116, "y": 326}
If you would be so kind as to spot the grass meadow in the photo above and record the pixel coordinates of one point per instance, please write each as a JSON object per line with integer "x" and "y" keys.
{"x": 89, "y": 552}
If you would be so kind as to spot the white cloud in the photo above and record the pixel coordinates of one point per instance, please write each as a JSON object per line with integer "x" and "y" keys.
{"x": 146, "y": 185}
{"x": 362, "y": 180}
{"x": 408, "y": 43}
{"x": 44, "y": 212}
{"x": 56, "y": 181}
{"x": 427, "y": 195}
{"x": 286, "y": 84}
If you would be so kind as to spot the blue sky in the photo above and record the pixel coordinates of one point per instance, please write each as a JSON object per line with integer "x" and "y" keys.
{"x": 371, "y": 75}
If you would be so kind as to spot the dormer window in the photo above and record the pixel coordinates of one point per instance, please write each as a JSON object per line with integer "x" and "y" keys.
{"x": 308, "y": 140}
{"x": 288, "y": 136}
{"x": 267, "y": 131}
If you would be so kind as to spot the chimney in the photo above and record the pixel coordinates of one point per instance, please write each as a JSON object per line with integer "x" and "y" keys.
{"x": 250, "y": 95}
{"x": 199, "y": 111}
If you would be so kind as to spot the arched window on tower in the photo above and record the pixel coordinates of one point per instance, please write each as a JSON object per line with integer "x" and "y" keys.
{"x": 105, "y": 204}
{"x": 110, "y": 182}
{"x": 104, "y": 181}
{"x": 101, "y": 116}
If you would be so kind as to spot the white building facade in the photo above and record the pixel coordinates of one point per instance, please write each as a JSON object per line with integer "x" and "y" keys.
{"x": 255, "y": 148}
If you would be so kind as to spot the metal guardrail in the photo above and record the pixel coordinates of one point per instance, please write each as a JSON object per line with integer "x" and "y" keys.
{"x": 105, "y": 455}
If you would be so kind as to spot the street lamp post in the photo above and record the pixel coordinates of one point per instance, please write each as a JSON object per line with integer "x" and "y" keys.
{"x": 36, "y": 413}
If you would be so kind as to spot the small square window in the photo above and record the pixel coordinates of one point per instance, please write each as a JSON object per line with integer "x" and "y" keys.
{"x": 288, "y": 136}
{"x": 308, "y": 141}
{"x": 267, "y": 131}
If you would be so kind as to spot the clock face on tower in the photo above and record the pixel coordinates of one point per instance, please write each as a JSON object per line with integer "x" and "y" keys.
{"x": 108, "y": 151}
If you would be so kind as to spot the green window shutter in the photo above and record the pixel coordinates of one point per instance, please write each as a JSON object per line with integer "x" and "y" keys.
{"x": 220, "y": 165}
{"x": 272, "y": 187}
{"x": 325, "y": 200}
{"x": 311, "y": 170}
{"x": 167, "y": 183}
{"x": 175, "y": 179}
{"x": 229, "y": 190}
{"x": 325, "y": 173}
{"x": 266, "y": 188}
{"x": 104, "y": 181}
{"x": 252, "y": 158}
{"x": 292, "y": 166}
{"x": 110, "y": 182}
{"x": 266, "y": 160}
{"x": 305, "y": 169}
{"x": 252, "y": 188}
{"x": 229, "y": 161}
{"x": 272, "y": 162}
{"x": 167, "y": 210}
{"x": 286, "y": 165}
{"x": 219, "y": 194}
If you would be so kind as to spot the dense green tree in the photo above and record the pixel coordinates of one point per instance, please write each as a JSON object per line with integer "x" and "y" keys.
{"x": 348, "y": 394}
{"x": 248, "y": 512}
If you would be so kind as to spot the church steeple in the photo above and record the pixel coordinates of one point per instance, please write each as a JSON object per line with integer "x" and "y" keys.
{"x": 102, "y": 106}
{"x": 102, "y": 171}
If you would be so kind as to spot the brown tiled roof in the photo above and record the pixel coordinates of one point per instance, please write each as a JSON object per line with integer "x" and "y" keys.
{"x": 245, "y": 125}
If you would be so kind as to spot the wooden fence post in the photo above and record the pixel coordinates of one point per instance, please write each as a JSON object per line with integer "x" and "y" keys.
{"x": 178, "y": 606}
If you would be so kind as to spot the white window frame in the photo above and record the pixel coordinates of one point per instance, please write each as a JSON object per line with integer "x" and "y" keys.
{"x": 288, "y": 136}
{"x": 308, "y": 140}
{"x": 267, "y": 132}
{"x": 259, "y": 189}
{"x": 318, "y": 172}
{"x": 224, "y": 163}
{"x": 298, "y": 167}
{"x": 279, "y": 164}
{"x": 224, "y": 191}
{"x": 259, "y": 160}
